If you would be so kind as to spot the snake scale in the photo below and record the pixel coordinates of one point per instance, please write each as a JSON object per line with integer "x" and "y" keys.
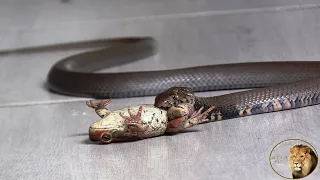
{"x": 275, "y": 85}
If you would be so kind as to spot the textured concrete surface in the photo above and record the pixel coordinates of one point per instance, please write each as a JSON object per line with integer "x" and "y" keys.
{"x": 44, "y": 135}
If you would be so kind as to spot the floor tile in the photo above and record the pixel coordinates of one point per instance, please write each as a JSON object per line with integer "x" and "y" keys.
{"x": 51, "y": 141}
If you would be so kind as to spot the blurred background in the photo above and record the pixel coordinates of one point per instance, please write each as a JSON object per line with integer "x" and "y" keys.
{"x": 44, "y": 135}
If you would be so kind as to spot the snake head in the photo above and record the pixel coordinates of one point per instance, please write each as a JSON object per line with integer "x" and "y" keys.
{"x": 174, "y": 96}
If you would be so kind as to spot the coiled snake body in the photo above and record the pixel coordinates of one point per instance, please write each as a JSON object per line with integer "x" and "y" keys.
{"x": 279, "y": 85}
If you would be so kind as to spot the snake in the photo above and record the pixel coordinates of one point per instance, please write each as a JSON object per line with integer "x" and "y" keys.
{"x": 268, "y": 86}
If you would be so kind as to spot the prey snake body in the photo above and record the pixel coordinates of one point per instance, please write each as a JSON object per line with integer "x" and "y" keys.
{"x": 279, "y": 85}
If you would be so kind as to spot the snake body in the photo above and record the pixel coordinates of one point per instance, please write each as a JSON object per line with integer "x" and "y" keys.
{"x": 281, "y": 97}
{"x": 279, "y": 85}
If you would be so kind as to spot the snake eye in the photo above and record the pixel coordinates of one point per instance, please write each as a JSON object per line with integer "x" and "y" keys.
{"x": 106, "y": 138}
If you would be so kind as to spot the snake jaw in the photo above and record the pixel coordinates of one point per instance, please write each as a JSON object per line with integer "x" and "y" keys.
{"x": 164, "y": 105}
{"x": 163, "y": 101}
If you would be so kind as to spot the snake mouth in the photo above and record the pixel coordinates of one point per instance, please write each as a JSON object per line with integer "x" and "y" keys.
{"x": 164, "y": 106}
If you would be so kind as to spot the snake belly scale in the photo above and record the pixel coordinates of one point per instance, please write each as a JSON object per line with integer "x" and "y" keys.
{"x": 278, "y": 85}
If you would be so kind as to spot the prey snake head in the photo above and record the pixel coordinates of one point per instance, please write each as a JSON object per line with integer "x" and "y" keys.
{"x": 174, "y": 96}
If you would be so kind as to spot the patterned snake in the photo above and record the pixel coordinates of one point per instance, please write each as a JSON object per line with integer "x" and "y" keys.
{"x": 278, "y": 85}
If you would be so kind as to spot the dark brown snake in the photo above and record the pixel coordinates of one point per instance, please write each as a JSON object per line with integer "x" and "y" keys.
{"x": 279, "y": 85}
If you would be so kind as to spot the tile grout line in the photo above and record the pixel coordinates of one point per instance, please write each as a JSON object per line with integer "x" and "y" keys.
{"x": 197, "y": 14}
{"x": 48, "y": 102}
{"x": 210, "y": 13}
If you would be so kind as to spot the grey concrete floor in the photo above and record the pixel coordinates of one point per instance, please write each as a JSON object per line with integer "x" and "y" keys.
{"x": 44, "y": 135}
